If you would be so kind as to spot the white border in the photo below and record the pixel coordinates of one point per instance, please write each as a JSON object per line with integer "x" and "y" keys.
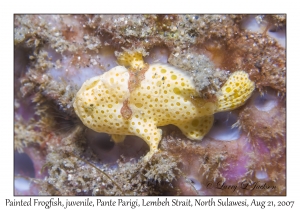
{"x": 8, "y": 8}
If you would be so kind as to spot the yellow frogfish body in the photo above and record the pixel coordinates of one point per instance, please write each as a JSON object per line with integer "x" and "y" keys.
{"x": 136, "y": 100}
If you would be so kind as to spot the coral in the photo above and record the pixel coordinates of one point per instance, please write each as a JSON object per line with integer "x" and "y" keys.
{"x": 163, "y": 95}
{"x": 74, "y": 172}
{"x": 25, "y": 133}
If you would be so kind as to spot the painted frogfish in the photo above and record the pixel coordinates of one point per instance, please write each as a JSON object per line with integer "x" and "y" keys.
{"x": 136, "y": 98}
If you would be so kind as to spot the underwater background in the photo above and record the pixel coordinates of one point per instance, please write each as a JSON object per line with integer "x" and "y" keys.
{"x": 244, "y": 153}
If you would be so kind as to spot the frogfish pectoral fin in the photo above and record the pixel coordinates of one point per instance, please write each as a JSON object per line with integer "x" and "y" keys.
{"x": 197, "y": 128}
